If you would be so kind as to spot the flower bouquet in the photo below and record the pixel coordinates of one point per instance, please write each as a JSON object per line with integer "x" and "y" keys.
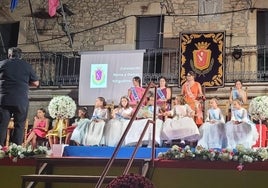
{"x": 62, "y": 108}
{"x": 258, "y": 108}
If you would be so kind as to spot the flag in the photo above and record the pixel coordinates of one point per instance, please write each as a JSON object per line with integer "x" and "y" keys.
{"x": 13, "y": 4}
{"x": 52, "y": 7}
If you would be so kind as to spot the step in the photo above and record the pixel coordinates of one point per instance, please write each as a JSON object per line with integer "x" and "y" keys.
{"x": 34, "y": 178}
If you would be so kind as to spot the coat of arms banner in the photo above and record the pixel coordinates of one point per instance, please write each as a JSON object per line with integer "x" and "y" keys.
{"x": 203, "y": 53}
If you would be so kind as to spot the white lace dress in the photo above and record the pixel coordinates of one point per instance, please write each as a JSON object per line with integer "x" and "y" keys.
{"x": 94, "y": 132}
{"x": 181, "y": 126}
{"x": 138, "y": 125}
{"x": 245, "y": 133}
{"x": 115, "y": 127}
{"x": 212, "y": 132}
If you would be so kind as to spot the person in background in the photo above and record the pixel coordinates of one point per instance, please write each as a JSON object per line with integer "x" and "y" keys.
{"x": 212, "y": 132}
{"x": 40, "y": 128}
{"x": 163, "y": 95}
{"x": 240, "y": 130}
{"x": 136, "y": 92}
{"x": 238, "y": 93}
{"x": 16, "y": 75}
{"x": 192, "y": 92}
{"x": 74, "y": 132}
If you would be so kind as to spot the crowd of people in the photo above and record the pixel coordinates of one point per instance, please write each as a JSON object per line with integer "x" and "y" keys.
{"x": 182, "y": 119}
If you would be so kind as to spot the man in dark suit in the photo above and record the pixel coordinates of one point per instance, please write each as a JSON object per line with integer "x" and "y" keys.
{"x": 16, "y": 75}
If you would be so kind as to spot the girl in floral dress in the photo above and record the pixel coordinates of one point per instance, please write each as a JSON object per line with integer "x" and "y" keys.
{"x": 240, "y": 130}
{"x": 116, "y": 126}
{"x": 74, "y": 132}
{"x": 40, "y": 128}
{"x": 212, "y": 132}
{"x": 94, "y": 131}
{"x": 181, "y": 125}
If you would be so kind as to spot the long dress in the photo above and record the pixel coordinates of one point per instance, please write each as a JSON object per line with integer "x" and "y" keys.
{"x": 191, "y": 97}
{"x": 181, "y": 126}
{"x": 244, "y": 133}
{"x": 137, "y": 127}
{"x": 94, "y": 132}
{"x": 115, "y": 127}
{"x": 78, "y": 133}
{"x": 212, "y": 132}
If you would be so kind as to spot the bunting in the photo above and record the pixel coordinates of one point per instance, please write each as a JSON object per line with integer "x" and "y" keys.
{"x": 52, "y": 7}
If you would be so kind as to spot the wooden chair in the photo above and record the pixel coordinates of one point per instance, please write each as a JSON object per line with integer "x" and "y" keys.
{"x": 11, "y": 127}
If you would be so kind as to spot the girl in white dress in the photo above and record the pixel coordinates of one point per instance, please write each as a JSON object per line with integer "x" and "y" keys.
{"x": 138, "y": 125}
{"x": 212, "y": 132}
{"x": 240, "y": 130}
{"x": 94, "y": 132}
{"x": 181, "y": 125}
{"x": 79, "y": 127}
{"x": 120, "y": 119}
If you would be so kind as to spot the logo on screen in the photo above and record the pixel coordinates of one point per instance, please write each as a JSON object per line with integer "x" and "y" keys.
{"x": 98, "y": 76}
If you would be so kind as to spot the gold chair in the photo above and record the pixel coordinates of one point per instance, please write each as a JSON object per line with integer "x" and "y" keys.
{"x": 11, "y": 127}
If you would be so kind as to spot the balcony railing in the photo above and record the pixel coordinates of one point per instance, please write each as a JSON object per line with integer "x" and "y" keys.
{"x": 62, "y": 69}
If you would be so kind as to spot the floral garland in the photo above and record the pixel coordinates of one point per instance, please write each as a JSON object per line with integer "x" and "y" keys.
{"x": 258, "y": 108}
{"x": 15, "y": 152}
{"x": 62, "y": 107}
{"x": 241, "y": 154}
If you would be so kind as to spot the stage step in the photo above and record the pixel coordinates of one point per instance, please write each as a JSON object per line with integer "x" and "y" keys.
{"x": 47, "y": 170}
{"x": 62, "y": 178}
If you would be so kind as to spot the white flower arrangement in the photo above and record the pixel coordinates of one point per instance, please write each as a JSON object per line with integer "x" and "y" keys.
{"x": 15, "y": 152}
{"x": 258, "y": 108}
{"x": 62, "y": 107}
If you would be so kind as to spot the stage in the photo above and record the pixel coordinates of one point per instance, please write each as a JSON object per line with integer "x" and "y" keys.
{"x": 163, "y": 173}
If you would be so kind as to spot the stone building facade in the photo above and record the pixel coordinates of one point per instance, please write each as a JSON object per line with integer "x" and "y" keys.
{"x": 98, "y": 25}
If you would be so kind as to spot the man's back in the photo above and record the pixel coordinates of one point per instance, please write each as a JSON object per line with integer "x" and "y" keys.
{"x": 15, "y": 76}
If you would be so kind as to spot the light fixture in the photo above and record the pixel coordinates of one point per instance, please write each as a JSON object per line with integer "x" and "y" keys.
{"x": 237, "y": 53}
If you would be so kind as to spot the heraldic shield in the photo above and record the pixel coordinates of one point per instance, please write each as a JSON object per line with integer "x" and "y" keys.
{"x": 203, "y": 53}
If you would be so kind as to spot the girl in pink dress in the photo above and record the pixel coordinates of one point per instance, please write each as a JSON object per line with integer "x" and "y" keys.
{"x": 136, "y": 92}
{"x": 40, "y": 128}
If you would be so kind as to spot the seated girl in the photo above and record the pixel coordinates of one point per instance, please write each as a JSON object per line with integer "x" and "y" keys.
{"x": 40, "y": 128}
{"x": 240, "y": 130}
{"x": 138, "y": 125}
{"x": 94, "y": 131}
{"x": 74, "y": 132}
{"x": 212, "y": 132}
{"x": 181, "y": 125}
{"x": 116, "y": 126}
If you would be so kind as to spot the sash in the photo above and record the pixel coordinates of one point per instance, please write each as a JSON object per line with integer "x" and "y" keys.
{"x": 235, "y": 94}
{"x": 189, "y": 92}
{"x": 160, "y": 93}
{"x": 135, "y": 93}
{"x": 213, "y": 115}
